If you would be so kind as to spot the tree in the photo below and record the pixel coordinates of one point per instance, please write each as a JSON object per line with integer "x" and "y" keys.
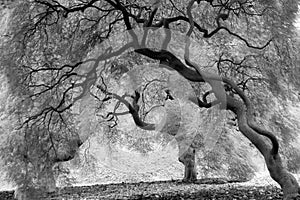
{"x": 57, "y": 57}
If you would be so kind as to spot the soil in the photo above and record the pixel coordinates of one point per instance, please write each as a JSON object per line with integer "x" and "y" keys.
{"x": 213, "y": 189}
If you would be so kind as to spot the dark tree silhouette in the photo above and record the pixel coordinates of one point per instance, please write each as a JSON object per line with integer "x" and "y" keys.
{"x": 47, "y": 59}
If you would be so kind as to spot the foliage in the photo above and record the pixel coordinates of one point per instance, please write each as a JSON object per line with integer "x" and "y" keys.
{"x": 238, "y": 170}
{"x": 65, "y": 61}
{"x": 293, "y": 161}
{"x": 227, "y": 159}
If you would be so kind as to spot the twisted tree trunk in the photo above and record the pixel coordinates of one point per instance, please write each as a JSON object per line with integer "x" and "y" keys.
{"x": 186, "y": 151}
{"x": 188, "y": 159}
{"x": 243, "y": 110}
{"x": 32, "y": 193}
{"x": 46, "y": 180}
{"x": 273, "y": 161}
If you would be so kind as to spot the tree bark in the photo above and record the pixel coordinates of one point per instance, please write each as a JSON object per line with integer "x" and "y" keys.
{"x": 187, "y": 158}
{"x": 31, "y": 193}
{"x": 287, "y": 181}
{"x": 243, "y": 110}
{"x": 46, "y": 180}
{"x": 186, "y": 151}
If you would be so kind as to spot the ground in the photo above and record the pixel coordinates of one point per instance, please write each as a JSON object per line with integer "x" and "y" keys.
{"x": 213, "y": 189}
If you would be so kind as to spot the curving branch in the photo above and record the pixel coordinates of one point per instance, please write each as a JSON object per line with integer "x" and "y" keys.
{"x": 219, "y": 91}
{"x": 244, "y": 111}
{"x": 131, "y": 14}
{"x": 133, "y": 108}
{"x": 206, "y": 33}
